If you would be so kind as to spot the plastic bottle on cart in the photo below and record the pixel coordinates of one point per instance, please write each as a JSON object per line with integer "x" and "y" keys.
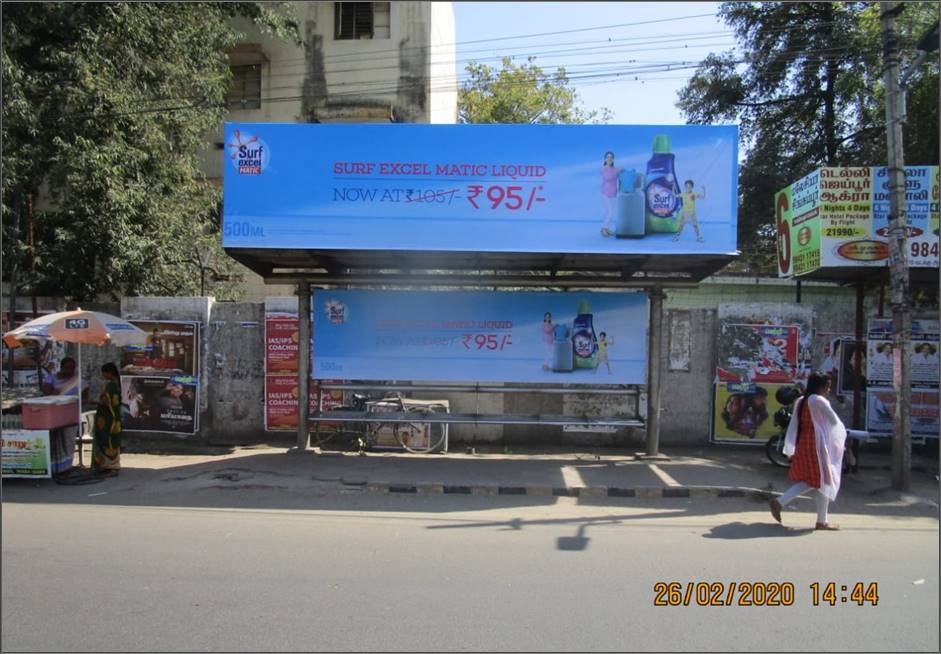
{"x": 584, "y": 341}
{"x": 662, "y": 191}
{"x": 561, "y": 349}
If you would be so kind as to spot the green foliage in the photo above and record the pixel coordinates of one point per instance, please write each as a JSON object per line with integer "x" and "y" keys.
{"x": 521, "y": 94}
{"x": 106, "y": 109}
{"x": 807, "y": 93}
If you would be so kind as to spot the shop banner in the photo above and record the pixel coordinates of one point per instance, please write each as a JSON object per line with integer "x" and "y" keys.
{"x": 25, "y": 453}
{"x": 163, "y": 404}
{"x": 588, "y": 189}
{"x": 838, "y": 217}
{"x": 881, "y": 412}
{"x": 160, "y": 379}
{"x": 745, "y": 411}
{"x": 572, "y": 338}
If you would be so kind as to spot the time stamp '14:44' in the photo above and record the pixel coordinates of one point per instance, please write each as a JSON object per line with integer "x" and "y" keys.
{"x": 831, "y": 593}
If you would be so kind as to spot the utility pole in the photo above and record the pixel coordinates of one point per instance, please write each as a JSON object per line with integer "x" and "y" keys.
{"x": 898, "y": 250}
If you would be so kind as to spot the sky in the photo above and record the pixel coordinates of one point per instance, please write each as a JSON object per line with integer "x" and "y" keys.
{"x": 631, "y": 57}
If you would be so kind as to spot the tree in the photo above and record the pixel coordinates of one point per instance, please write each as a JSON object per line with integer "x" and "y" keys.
{"x": 521, "y": 94}
{"x": 106, "y": 109}
{"x": 807, "y": 93}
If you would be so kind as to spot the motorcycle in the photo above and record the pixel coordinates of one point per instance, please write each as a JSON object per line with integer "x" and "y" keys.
{"x": 774, "y": 447}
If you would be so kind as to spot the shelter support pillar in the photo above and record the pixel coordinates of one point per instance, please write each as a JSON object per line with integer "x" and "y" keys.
{"x": 656, "y": 296}
{"x": 303, "y": 365}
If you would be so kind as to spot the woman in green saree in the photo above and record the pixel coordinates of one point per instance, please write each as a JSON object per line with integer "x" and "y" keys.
{"x": 106, "y": 450}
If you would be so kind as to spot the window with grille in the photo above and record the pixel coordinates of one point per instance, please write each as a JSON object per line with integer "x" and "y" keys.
{"x": 245, "y": 90}
{"x": 362, "y": 20}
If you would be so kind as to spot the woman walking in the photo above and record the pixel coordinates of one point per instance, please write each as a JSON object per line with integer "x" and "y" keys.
{"x": 815, "y": 439}
{"x": 106, "y": 449}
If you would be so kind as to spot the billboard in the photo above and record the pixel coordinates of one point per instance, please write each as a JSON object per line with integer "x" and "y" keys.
{"x": 572, "y": 338}
{"x": 837, "y": 217}
{"x": 588, "y": 189}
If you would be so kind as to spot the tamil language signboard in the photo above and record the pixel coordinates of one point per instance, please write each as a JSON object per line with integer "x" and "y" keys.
{"x": 839, "y": 217}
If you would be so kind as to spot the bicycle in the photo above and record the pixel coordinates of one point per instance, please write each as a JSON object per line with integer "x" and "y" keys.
{"x": 418, "y": 436}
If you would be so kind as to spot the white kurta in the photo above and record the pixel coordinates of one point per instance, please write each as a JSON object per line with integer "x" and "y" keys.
{"x": 830, "y": 439}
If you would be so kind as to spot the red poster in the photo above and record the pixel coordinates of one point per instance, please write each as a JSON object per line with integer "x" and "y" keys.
{"x": 281, "y": 339}
{"x": 281, "y": 393}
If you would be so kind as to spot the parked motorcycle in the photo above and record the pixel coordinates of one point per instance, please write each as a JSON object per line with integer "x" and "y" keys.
{"x": 774, "y": 447}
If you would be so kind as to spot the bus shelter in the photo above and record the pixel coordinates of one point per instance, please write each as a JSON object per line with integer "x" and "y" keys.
{"x": 434, "y": 253}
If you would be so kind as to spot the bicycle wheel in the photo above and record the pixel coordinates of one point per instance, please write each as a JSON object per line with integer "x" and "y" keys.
{"x": 774, "y": 448}
{"x": 420, "y": 437}
{"x": 339, "y": 432}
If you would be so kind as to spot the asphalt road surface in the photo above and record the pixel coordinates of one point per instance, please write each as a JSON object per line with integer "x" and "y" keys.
{"x": 362, "y": 572}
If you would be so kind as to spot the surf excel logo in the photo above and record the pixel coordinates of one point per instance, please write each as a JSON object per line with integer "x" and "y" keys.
{"x": 248, "y": 153}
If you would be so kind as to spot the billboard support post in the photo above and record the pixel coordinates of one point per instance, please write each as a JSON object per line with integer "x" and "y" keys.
{"x": 656, "y": 296}
{"x": 303, "y": 366}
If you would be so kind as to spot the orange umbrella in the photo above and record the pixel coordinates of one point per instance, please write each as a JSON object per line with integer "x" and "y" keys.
{"x": 93, "y": 327}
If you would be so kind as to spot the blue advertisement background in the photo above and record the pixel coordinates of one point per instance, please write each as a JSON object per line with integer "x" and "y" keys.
{"x": 445, "y": 336}
{"x": 301, "y": 188}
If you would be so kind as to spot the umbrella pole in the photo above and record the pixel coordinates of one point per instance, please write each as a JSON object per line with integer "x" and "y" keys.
{"x": 81, "y": 443}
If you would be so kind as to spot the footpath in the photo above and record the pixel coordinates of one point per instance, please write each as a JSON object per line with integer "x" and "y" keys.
{"x": 703, "y": 472}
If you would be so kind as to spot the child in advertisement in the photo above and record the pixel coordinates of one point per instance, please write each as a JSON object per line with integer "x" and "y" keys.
{"x": 688, "y": 211}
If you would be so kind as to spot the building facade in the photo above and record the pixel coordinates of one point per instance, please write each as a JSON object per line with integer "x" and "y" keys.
{"x": 359, "y": 62}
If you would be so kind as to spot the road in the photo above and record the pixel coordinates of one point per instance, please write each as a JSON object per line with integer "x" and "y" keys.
{"x": 354, "y": 572}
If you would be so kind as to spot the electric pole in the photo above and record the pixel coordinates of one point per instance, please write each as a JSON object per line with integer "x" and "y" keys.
{"x": 898, "y": 250}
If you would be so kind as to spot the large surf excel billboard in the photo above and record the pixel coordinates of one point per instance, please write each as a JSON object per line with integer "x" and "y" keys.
{"x": 586, "y": 189}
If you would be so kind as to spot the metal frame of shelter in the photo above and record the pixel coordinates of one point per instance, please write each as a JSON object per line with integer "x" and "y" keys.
{"x": 307, "y": 269}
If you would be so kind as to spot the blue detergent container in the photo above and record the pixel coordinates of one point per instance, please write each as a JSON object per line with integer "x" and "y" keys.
{"x": 562, "y": 353}
{"x": 631, "y": 206}
{"x": 584, "y": 341}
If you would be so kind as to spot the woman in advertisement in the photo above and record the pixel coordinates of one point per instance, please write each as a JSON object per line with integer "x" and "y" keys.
{"x": 106, "y": 449}
{"x": 815, "y": 440}
{"x": 609, "y": 191}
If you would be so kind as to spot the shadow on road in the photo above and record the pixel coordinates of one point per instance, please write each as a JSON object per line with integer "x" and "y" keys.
{"x": 741, "y": 530}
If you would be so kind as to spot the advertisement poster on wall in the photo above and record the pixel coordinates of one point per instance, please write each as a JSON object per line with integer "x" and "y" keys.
{"x": 160, "y": 379}
{"x": 760, "y": 348}
{"x": 758, "y": 353}
{"x": 923, "y": 352}
{"x": 592, "y": 189}
{"x": 281, "y": 362}
{"x": 572, "y": 338}
{"x": 745, "y": 411}
{"x": 25, "y": 453}
{"x": 880, "y": 412}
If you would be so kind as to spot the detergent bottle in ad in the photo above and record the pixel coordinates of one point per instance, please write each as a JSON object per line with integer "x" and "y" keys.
{"x": 561, "y": 350}
{"x": 584, "y": 341}
{"x": 662, "y": 193}
{"x": 631, "y": 207}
